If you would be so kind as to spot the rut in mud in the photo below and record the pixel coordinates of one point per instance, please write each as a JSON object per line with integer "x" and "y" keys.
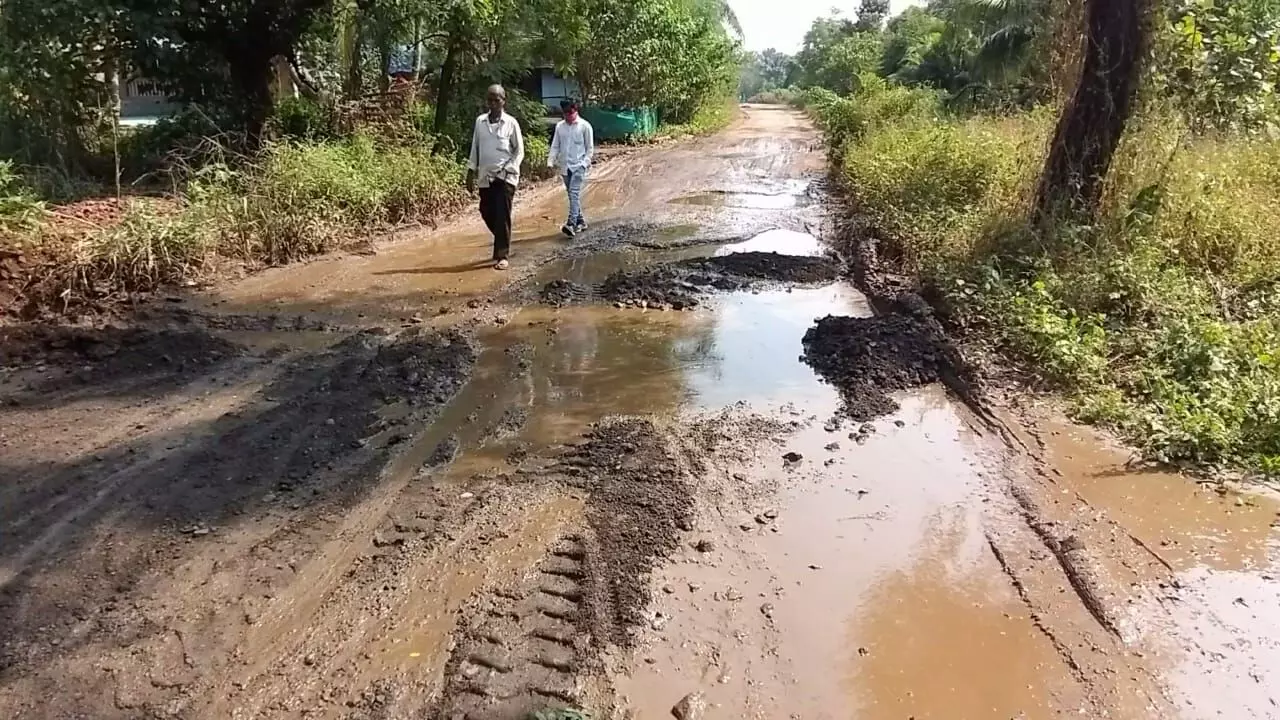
{"x": 538, "y": 642}
{"x": 305, "y": 446}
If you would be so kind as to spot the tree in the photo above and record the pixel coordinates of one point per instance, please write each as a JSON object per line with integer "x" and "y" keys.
{"x": 1094, "y": 118}
{"x": 871, "y": 15}
{"x": 763, "y": 71}
{"x": 219, "y": 51}
{"x": 908, "y": 38}
{"x": 667, "y": 53}
{"x": 1223, "y": 63}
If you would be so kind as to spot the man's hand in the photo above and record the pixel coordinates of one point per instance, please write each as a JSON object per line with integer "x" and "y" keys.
{"x": 471, "y": 182}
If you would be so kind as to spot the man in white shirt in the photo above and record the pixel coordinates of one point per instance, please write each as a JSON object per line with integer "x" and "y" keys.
{"x": 497, "y": 150}
{"x": 572, "y": 147}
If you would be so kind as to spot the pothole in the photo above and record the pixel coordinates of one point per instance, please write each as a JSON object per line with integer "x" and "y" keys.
{"x": 747, "y": 200}
{"x": 782, "y": 242}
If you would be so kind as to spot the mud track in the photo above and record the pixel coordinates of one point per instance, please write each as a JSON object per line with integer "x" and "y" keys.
{"x": 398, "y": 486}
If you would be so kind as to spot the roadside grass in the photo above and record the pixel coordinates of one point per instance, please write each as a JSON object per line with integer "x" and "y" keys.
{"x": 713, "y": 116}
{"x": 293, "y": 200}
{"x": 1161, "y": 320}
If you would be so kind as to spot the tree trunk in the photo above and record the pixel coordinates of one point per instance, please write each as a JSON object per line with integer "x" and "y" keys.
{"x": 416, "y": 60}
{"x": 353, "y": 87}
{"x": 444, "y": 93}
{"x": 1094, "y": 118}
{"x": 252, "y": 74}
{"x": 384, "y": 62}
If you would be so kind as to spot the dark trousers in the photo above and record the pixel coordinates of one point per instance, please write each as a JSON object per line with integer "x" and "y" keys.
{"x": 495, "y": 208}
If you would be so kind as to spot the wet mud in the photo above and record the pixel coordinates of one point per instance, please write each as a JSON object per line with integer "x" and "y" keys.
{"x": 683, "y": 285}
{"x": 302, "y": 446}
{"x": 869, "y": 359}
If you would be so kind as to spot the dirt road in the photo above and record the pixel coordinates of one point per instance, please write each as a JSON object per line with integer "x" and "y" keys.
{"x": 678, "y": 458}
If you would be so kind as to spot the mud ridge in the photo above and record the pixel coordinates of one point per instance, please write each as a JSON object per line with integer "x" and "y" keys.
{"x": 682, "y": 285}
{"x": 538, "y": 642}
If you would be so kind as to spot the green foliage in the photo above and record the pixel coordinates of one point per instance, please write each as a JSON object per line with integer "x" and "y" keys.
{"x": 849, "y": 119}
{"x": 1161, "y": 321}
{"x": 536, "y": 150}
{"x": 302, "y": 119}
{"x": 1223, "y": 62}
{"x": 780, "y": 96}
{"x": 306, "y": 198}
{"x": 763, "y": 72}
{"x": 669, "y": 54}
{"x": 20, "y": 210}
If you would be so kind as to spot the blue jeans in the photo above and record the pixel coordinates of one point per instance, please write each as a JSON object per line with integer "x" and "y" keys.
{"x": 573, "y": 182}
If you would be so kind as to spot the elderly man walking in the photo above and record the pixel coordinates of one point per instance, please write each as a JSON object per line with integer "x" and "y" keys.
{"x": 572, "y": 147}
{"x": 497, "y": 150}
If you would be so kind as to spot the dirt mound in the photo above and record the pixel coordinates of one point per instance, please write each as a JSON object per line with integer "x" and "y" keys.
{"x": 110, "y": 360}
{"x": 680, "y": 285}
{"x": 773, "y": 266}
{"x": 639, "y": 499}
{"x": 869, "y": 358}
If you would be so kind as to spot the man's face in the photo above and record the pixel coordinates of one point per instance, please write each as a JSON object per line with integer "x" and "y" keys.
{"x": 495, "y": 101}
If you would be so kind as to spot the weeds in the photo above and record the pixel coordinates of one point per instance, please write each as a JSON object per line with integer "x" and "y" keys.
{"x": 19, "y": 208}
{"x": 1161, "y": 321}
{"x": 296, "y": 199}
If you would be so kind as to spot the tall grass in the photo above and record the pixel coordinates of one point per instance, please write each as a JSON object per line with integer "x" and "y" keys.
{"x": 294, "y": 200}
{"x": 1160, "y": 320}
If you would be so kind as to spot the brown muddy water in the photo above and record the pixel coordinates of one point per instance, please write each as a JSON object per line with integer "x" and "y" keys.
{"x": 869, "y": 593}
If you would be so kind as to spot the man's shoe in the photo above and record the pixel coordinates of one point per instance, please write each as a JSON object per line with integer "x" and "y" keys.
{"x": 581, "y": 227}
{"x": 566, "y": 230}
{"x": 502, "y": 264}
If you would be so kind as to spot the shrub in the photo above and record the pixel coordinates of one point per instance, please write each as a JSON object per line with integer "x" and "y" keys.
{"x": 298, "y": 118}
{"x": 779, "y": 96}
{"x": 536, "y": 150}
{"x": 19, "y": 207}
{"x": 1162, "y": 320}
{"x": 306, "y": 198}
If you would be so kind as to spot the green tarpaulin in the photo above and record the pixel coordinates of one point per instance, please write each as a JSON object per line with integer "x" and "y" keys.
{"x": 621, "y": 124}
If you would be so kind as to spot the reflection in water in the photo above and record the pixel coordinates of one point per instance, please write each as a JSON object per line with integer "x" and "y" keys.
{"x": 783, "y": 242}
{"x": 755, "y": 345}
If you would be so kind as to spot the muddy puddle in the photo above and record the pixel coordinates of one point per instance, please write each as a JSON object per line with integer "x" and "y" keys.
{"x": 1218, "y": 630}
{"x": 862, "y": 583}
{"x": 746, "y": 200}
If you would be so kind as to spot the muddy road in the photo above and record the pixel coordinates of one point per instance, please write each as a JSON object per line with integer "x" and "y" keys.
{"x": 678, "y": 460}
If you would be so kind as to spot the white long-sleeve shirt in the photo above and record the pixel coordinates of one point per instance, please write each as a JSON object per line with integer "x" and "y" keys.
{"x": 497, "y": 150}
{"x": 572, "y": 146}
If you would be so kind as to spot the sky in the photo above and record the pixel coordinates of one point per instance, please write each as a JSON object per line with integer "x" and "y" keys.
{"x": 781, "y": 24}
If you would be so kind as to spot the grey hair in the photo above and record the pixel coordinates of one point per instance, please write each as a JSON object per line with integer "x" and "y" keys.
{"x": 498, "y": 90}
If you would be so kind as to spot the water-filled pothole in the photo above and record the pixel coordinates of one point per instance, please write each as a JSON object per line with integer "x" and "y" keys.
{"x": 747, "y": 200}
{"x": 783, "y": 242}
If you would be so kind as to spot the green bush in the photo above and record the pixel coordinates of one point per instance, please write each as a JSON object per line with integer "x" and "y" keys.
{"x": 1162, "y": 320}
{"x": 298, "y": 118}
{"x": 778, "y": 96}
{"x": 536, "y": 150}
{"x": 19, "y": 208}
